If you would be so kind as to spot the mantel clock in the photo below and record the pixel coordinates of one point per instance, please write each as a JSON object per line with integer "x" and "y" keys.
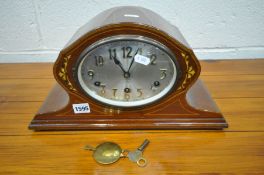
{"x": 127, "y": 68}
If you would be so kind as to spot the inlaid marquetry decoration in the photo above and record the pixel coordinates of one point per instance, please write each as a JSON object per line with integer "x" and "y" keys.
{"x": 64, "y": 75}
{"x": 189, "y": 71}
{"x": 124, "y": 70}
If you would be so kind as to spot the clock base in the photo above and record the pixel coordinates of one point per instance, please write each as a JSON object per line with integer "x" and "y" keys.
{"x": 194, "y": 110}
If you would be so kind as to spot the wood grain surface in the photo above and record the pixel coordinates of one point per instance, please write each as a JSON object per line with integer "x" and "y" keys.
{"x": 237, "y": 87}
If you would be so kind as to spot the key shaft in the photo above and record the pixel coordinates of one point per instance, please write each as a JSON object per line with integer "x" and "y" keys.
{"x": 143, "y": 145}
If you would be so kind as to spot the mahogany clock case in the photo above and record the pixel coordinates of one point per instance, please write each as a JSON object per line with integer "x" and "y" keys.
{"x": 188, "y": 106}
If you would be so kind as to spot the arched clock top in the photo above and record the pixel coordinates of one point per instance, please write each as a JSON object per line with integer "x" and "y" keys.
{"x": 129, "y": 14}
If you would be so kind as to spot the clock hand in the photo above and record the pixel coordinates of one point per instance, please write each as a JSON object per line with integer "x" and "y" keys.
{"x": 117, "y": 62}
{"x": 132, "y": 61}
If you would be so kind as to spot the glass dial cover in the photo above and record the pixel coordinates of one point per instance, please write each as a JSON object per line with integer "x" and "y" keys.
{"x": 127, "y": 71}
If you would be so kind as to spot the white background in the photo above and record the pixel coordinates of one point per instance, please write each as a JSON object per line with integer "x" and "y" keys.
{"x": 36, "y": 30}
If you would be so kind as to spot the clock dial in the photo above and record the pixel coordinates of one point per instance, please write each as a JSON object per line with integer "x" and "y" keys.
{"x": 127, "y": 71}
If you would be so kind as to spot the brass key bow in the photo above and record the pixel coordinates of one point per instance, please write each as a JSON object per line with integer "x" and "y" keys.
{"x": 137, "y": 155}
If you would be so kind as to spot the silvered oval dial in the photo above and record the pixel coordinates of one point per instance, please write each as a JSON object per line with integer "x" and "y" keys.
{"x": 127, "y": 71}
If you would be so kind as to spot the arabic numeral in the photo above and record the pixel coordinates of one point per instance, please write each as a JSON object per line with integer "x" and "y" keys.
{"x": 112, "y": 53}
{"x": 153, "y": 58}
{"x": 127, "y": 52}
{"x": 163, "y": 73}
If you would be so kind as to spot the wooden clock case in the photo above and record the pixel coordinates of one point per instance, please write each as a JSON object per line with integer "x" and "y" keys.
{"x": 187, "y": 106}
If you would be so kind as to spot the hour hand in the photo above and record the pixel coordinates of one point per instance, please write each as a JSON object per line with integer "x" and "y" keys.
{"x": 117, "y": 62}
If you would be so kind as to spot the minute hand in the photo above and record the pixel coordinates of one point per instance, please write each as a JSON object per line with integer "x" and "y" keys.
{"x": 133, "y": 59}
